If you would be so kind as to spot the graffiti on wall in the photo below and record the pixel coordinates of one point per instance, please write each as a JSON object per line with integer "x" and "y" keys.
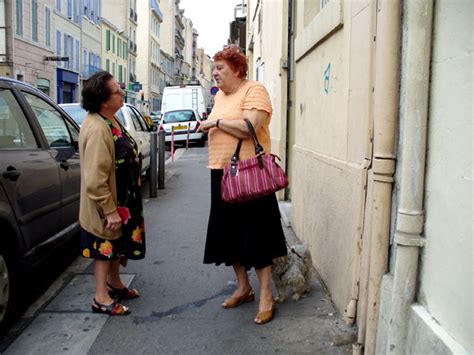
{"x": 327, "y": 75}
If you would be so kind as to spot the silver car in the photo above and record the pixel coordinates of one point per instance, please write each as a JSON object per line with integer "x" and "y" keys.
{"x": 132, "y": 120}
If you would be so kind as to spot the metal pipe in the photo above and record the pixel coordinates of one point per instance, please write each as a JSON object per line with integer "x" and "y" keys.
{"x": 289, "y": 79}
{"x": 161, "y": 159}
{"x": 410, "y": 216}
{"x": 386, "y": 98}
{"x": 153, "y": 165}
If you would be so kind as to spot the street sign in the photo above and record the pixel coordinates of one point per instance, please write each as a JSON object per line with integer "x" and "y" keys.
{"x": 214, "y": 90}
{"x": 56, "y": 59}
{"x": 137, "y": 86}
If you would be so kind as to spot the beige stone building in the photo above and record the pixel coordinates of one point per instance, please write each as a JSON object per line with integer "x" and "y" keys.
{"x": 149, "y": 54}
{"x": 375, "y": 128}
{"x": 27, "y": 43}
{"x": 123, "y": 15}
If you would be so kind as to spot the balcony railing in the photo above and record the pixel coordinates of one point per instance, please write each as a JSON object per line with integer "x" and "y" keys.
{"x": 89, "y": 70}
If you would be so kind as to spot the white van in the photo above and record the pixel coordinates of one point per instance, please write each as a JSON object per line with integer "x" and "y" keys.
{"x": 184, "y": 97}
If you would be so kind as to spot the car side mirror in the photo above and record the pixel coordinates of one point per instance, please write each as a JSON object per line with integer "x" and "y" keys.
{"x": 153, "y": 128}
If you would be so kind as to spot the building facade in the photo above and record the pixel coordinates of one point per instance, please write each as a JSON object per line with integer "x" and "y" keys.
{"x": 149, "y": 59}
{"x": 115, "y": 52}
{"x": 27, "y": 43}
{"x": 123, "y": 15}
{"x": 362, "y": 105}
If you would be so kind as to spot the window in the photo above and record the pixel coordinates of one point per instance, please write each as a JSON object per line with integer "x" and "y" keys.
{"x": 15, "y": 132}
{"x": 75, "y": 10}
{"x": 47, "y": 27}
{"x": 19, "y": 17}
{"x": 119, "y": 47}
{"x": 113, "y": 43}
{"x": 84, "y": 62}
{"x": 77, "y": 55}
{"x": 58, "y": 44}
{"x": 107, "y": 65}
{"x": 3, "y": 32}
{"x": 69, "y": 9}
{"x": 107, "y": 40}
{"x": 34, "y": 20}
{"x": 137, "y": 123}
{"x": 58, "y": 5}
{"x": 120, "y": 74}
{"x": 113, "y": 69}
{"x": 50, "y": 120}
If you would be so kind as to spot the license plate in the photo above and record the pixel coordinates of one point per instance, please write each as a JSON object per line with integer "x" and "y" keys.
{"x": 180, "y": 127}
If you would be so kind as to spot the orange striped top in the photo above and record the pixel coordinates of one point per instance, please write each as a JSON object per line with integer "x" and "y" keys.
{"x": 251, "y": 95}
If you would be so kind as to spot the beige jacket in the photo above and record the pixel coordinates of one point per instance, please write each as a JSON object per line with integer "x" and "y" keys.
{"x": 98, "y": 185}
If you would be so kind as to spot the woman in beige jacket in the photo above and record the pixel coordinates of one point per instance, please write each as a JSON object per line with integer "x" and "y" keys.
{"x": 111, "y": 212}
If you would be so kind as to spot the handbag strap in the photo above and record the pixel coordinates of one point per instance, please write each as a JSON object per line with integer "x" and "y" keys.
{"x": 259, "y": 151}
{"x": 258, "y": 148}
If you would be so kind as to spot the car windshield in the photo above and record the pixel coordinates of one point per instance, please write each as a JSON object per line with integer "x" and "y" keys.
{"x": 76, "y": 112}
{"x": 179, "y": 116}
{"x": 119, "y": 114}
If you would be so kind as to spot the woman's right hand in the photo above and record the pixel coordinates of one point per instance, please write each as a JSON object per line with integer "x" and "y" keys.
{"x": 114, "y": 221}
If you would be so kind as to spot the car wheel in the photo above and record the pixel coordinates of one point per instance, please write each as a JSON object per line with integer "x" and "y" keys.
{"x": 6, "y": 289}
{"x": 202, "y": 142}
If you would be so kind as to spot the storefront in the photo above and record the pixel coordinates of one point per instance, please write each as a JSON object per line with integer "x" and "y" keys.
{"x": 67, "y": 86}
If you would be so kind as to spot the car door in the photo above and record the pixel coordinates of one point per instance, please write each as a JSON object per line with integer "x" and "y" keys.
{"x": 62, "y": 137}
{"x": 144, "y": 135}
{"x": 28, "y": 173}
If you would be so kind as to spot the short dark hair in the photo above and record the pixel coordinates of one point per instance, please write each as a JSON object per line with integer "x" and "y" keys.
{"x": 235, "y": 58}
{"x": 95, "y": 91}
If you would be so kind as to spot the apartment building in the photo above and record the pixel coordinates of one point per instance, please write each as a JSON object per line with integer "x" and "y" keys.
{"x": 364, "y": 100}
{"x": 188, "y": 50}
{"x": 123, "y": 15}
{"x": 149, "y": 59}
{"x": 115, "y": 52}
{"x": 27, "y": 38}
{"x": 91, "y": 41}
{"x": 204, "y": 68}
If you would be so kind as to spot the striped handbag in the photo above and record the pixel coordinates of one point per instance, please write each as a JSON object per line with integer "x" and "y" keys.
{"x": 252, "y": 178}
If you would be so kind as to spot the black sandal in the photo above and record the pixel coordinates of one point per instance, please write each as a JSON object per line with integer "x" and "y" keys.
{"x": 122, "y": 293}
{"x": 113, "y": 309}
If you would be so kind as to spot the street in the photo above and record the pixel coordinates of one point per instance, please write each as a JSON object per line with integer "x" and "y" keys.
{"x": 179, "y": 309}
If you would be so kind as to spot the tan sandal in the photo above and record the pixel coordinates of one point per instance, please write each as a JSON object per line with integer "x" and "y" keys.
{"x": 232, "y": 302}
{"x": 265, "y": 316}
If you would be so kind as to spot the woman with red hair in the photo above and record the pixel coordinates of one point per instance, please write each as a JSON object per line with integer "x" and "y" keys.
{"x": 246, "y": 234}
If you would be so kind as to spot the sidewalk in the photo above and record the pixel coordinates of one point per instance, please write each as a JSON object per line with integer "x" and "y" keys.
{"x": 179, "y": 311}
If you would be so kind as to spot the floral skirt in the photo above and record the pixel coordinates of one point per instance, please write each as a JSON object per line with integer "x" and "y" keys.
{"x": 102, "y": 249}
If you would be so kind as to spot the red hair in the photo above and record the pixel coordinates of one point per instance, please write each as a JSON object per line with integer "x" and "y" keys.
{"x": 235, "y": 59}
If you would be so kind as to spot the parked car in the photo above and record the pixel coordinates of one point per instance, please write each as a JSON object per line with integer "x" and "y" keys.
{"x": 156, "y": 117}
{"x": 39, "y": 183}
{"x": 132, "y": 120}
{"x": 181, "y": 120}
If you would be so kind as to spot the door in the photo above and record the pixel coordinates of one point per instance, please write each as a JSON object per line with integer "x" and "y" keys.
{"x": 62, "y": 137}
{"x": 28, "y": 173}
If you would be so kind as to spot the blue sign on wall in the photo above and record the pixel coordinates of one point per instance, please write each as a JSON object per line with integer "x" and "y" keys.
{"x": 137, "y": 86}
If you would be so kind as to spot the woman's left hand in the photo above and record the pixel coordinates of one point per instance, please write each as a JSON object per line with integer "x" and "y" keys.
{"x": 207, "y": 125}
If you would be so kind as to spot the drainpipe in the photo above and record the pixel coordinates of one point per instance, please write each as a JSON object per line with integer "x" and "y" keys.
{"x": 410, "y": 216}
{"x": 386, "y": 96}
{"x": 289, "y": 79}
{"x": 359, "y": 273}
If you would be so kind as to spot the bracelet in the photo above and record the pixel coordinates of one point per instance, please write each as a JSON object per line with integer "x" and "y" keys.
{"x": 217, "y": 122}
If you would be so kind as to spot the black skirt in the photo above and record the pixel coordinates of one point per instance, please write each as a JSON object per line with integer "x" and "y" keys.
{"x": 248, "y": 233}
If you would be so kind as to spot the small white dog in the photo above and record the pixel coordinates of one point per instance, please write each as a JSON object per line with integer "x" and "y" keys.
{"x": 293, "y": 270}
